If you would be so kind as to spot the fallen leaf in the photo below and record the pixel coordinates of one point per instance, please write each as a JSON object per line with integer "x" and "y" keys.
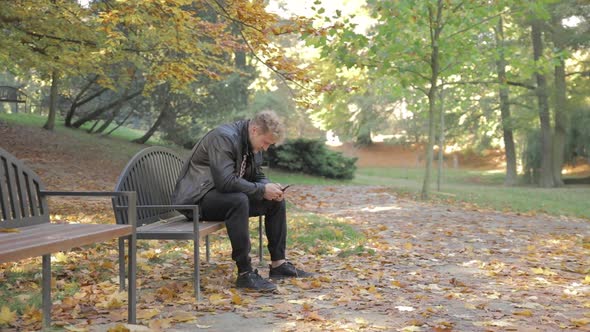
{"x": 580, "y": 322}
{"x": 147, "y": 313}
{"x": 119, "y": 328}
{"x": 236, "y": 299}
{"x": 313, "y": 315}
{"x": 540, "y": 270}
{"x": 217, "y": 299}
{"x": 9, "y": 230}
{"x": 160, "y": 324}
{"x": 183, "y": 317}
{"x": 525, "y": 313}
{"x": 7, "y": 316}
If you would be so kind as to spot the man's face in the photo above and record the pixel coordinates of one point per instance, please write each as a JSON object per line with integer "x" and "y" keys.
{"x": 260, "y": 141}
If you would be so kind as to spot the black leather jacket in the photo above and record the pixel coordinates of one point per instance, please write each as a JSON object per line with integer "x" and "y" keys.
{"x": 215, "y": 163}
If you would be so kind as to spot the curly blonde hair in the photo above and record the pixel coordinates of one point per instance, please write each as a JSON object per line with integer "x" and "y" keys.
{"x": 269, "y": 121}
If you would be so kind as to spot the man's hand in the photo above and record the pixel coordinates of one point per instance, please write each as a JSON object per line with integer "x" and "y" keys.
{"x": 273, "y": 192}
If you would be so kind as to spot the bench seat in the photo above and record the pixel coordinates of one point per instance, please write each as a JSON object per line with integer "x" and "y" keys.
{"x": 38, "y": 240}
{"x": 176, "y": 229}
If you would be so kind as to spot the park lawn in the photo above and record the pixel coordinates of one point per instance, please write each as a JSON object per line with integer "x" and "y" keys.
{"x": 34, "y": 120}
{"x": 483, "y": 188}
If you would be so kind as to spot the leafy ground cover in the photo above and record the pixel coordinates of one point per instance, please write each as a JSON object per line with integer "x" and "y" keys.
{"x": 384, "y": 261}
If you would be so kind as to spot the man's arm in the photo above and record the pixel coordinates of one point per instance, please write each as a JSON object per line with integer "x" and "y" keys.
{"x": 222, "y": 164}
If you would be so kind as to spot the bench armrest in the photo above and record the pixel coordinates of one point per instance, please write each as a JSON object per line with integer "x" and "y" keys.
{"x": 194, "y": 208}
{"x": 131, "y": 197}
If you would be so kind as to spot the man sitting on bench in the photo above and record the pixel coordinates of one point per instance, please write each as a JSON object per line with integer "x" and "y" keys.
{"x": 223, "y": 176}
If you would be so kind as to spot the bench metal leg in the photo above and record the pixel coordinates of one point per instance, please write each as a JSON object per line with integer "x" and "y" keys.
{"x": 260, "y": 240}
{"x": 46, "y": 291}
{"x": 197, "y": 273}
{"x": 208, "y": 251}
{"x": 132, "y": 272}
{"x": 122, "y": 264}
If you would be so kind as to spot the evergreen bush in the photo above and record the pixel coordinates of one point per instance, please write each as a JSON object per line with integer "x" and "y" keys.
{"x": 311, "y": 157}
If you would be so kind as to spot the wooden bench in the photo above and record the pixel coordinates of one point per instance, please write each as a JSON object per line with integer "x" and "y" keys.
{"x": 26, "y": 231}
{"x": 10, "y": 94}
{"x": 152, "y": 174}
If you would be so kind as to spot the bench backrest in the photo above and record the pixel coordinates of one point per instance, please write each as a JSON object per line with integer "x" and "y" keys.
{"x": 152, "y": 173}
{"x": 20, "y": 202}
{"x": 11, "y": 94}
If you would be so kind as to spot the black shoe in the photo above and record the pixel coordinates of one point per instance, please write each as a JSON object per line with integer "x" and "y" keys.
{"x": 253, "y": 281}
{"x": 287, "y": 270}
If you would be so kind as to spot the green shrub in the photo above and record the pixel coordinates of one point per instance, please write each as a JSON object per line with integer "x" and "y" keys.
{"x": 311, "y": 157}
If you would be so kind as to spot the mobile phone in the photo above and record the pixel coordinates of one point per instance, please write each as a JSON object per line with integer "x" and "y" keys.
{"x": 285, "y": 187}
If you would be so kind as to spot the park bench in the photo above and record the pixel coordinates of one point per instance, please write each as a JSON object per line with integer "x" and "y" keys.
{"x": 152, "y": 174}
{"x": 26, "y": 230}
{"x": 10, "y": 94}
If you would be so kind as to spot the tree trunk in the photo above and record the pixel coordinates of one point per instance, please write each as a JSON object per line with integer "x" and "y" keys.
{"x": 435, "y": 67}
{"x": 154, "y": 127}
{"x": 119, "y": 124}
{"x": 72, "y": 110}
{"x": 546, "y": 173}
{"x": 108, "y": 122}
{"x": 507, "y": 127}
{"x": 96, "y": 113}
{"x": 96, "y": 122}
{"x": 50, "y": 124}
{"x": 441, "y": 144}
{"x": 560, "y": 110}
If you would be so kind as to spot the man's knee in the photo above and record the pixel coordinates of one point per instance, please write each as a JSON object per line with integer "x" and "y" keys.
{"x": 239, "y": 201}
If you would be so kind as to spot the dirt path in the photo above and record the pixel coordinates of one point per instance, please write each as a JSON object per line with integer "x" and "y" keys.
{"x": 435, "y": 268}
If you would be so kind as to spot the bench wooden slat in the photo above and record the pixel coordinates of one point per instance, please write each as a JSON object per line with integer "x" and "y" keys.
{"x": 12, "y": 191}
{"x": 5, "y": 213}
{"x": 176, "y": 230}
{"x": 56, "y": 237}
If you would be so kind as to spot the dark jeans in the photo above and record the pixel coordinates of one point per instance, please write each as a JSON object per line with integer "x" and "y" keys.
{"x": 235, "y": 209}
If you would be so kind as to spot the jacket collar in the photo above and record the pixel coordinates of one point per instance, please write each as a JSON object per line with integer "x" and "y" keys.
{"x": 245, "y": 137}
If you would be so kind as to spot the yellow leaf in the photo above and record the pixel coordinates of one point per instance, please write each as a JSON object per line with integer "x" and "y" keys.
{"x": 316, "y": 284}
{"x": 586, "y": 280}
{"x": 119, "y": 328}
{"x": 540, "y": 270}
{"x": 160, "y": 324}
{"x": 147, "y": 314}
{"x": 216, "y": 299}
{"x": 7, "y": 317}
{"x": 312, "y": 315}
{"x": 236, "y": 299}
{"x": 408, "y": 246}
{"x": 9, "y": 230}
{"x": 183, "y": 317}
{"x": 525, "y": 313}
{"x": 59, "y": 257}
{"x": 581, "y": 321}
{"x": 396, "y": 283}
{"x": 76, "y": 329}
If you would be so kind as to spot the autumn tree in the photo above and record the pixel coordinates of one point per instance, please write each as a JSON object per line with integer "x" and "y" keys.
{"x": 418, "y": 44}
{"x": 168, "y": 42}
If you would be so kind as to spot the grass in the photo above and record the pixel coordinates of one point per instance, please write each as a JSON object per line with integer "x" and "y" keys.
{"x": 484, "y": 189}
{"x": 285, "y": 178}
{"x": 34, "y": 120}
{"x": 322, "y": 235}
